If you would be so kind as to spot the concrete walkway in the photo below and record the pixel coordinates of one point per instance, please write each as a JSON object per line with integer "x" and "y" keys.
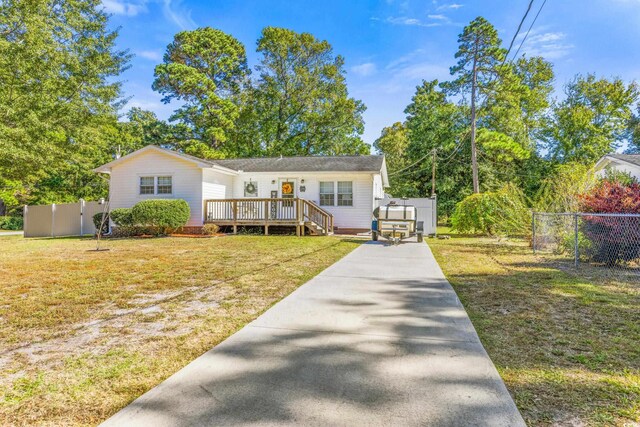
{"x": 379, "y": 338}
{"x": 10, "y": 233}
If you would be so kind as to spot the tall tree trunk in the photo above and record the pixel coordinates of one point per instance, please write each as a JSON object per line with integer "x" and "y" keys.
{"x": 474, "y": 159}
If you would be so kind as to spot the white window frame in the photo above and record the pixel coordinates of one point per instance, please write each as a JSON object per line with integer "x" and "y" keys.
{"x": 155, "y": 184}
{"x": 164, "y": 185}
{"x": 338, "y": 194}
{"x": 333, "y": 193}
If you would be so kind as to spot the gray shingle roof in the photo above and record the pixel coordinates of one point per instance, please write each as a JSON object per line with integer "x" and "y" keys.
{"x": 629, "y": 158}
{"x": 366, "y": 163}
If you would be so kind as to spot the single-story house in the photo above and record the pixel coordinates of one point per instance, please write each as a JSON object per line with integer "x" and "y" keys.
{"x": 628, "y": 163}
{"x": 311, "y": 192}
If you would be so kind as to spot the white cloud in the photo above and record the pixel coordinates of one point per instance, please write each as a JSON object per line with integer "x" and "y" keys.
{"x": 364, "y": 70}
{"x": 550, "y": 45}
{"x": 438, "y": 17}
{"x": 119, "y": 7}
{"x": 178, "y": 14}
{"x": 449, "y": 6}
{"x": 403, "y": 20}
{"x": 152, "y": 55}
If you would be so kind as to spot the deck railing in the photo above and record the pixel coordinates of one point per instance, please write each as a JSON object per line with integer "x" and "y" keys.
{"x": 265, "y": 212}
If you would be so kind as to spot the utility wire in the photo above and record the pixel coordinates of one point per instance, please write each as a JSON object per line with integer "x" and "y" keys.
{"x": 513, "y": 40}
{"x": 529, "y": 30}
{"x": 412, "y": 164}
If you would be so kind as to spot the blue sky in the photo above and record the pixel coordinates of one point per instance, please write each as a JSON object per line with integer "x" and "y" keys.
{"x": 389, "y": 46}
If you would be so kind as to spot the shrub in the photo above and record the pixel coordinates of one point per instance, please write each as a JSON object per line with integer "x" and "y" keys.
{"x": 613, "y": 239}
{"x": 210, "y": 229}
{"x": 503, "y": 212}
{"x": 164, "y": 216}
{"x": 97, "y": 221}
{"x": 11, "y": 223}
{"x": 122, "y": 217}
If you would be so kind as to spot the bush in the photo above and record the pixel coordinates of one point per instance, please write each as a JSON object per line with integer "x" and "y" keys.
{"x": 613, "y": 239}
{"x": 122, "y": 217}
{"x": 503, "y": 212}
{"x": 11, "y": 223}
{"x": 210, "y": 229}
{"x": 163, "y": 216}
{"x": 97, "y": 221}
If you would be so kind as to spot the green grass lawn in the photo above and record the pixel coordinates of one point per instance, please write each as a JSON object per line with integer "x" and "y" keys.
{"x": 82, "y": 333}
{"x": 566, "y": 342}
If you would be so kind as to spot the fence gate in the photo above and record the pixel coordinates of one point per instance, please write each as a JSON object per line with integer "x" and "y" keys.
{"x": 427, "y": 211}
{"x": 65, "y": 219}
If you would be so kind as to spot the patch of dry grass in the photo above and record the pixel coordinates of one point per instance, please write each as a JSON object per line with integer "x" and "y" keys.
{"x": 566, "y": 342}
{"x": 82, "y": 333}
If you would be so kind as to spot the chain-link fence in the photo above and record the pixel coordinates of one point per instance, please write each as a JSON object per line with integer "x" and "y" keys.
{"x": 610, "y": 242}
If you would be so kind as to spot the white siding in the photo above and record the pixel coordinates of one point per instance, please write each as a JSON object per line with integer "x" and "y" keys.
{"x": 356, "y": 216}
{"x": 622, "y": 167}
{"x": 216, "y": 185}
{"x": 186, "y": 181}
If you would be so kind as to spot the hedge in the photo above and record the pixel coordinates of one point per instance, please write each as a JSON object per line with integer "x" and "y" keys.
{"x": 11, "y": 223}
{"x": 502, "y": 212}
{"x": 122, "y": 217}
{"x": 97, "y": 221}
{"x": 163, "y": 215}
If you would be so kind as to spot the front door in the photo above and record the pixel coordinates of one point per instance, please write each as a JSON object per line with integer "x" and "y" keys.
{"x": 287, "y": 188}
{"x": 287, "y": 191}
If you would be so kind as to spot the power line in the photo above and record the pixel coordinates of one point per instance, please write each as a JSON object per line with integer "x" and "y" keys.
{"x": 529, "y": 30}
{"x": 518, "y": 31}
{"x": 411, "y": 165}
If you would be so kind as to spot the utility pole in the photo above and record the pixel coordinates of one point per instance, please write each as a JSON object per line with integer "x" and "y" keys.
{"x": 474, "y": 83}
{"x": 433, "y": 175}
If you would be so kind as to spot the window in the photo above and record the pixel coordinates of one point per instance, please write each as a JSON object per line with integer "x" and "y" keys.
{"x": 345, "y": 193}
{"x": 164, "y": 185}
{"x": 326, "y": 194}
{"x": 147, "y": 185}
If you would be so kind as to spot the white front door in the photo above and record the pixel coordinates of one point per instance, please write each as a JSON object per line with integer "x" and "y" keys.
{"x": 287, "y": 188}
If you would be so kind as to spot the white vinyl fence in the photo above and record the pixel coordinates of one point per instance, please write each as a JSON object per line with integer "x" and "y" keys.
{"x": 427, "y": 211}
{"x": 64, "y": 219}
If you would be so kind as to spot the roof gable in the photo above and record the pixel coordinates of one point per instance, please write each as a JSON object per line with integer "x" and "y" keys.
{"x": 629, "y": 159}
{"x": 106, "y": 168}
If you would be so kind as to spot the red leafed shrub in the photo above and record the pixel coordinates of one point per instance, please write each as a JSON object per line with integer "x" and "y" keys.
{"x": 613, "y": 238}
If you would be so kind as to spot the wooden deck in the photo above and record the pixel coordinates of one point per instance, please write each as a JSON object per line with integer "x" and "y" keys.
{"x": 303, "y": 214}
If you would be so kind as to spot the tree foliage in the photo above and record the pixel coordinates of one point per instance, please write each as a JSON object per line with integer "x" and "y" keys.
{"x": 592, "y": 121}
{"x": 301, "y": 98}
{"x": 58, "y": 74}
{"x": 206, "y": 69}
{"x": 525, "y": 138}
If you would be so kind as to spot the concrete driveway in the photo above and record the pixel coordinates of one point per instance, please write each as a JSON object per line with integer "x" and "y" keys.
{"x": 379, "y": 338}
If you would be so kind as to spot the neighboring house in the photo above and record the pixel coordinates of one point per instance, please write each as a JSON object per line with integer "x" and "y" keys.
{"x": 628, "y": 163}
{"x": 345, "y": 187}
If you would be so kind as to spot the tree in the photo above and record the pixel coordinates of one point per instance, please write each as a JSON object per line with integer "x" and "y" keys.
{"x": 58, "y": 69}
{"x": 592, "y": 121}
{"x": 433, "y": 122}
{"x": 301, "y": 100}
{"x": 479, "y": 55}
{"x": 206, "y": 69}
{"x": 393, "y": 143}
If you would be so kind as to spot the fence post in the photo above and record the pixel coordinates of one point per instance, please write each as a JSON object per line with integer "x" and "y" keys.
{"x": 25, "y": 215}
{"x": 575, "y": 232}
{"x": 81, "y": 217}
{"x": 533, "y": 231}
{"x": 53, "y": 220}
